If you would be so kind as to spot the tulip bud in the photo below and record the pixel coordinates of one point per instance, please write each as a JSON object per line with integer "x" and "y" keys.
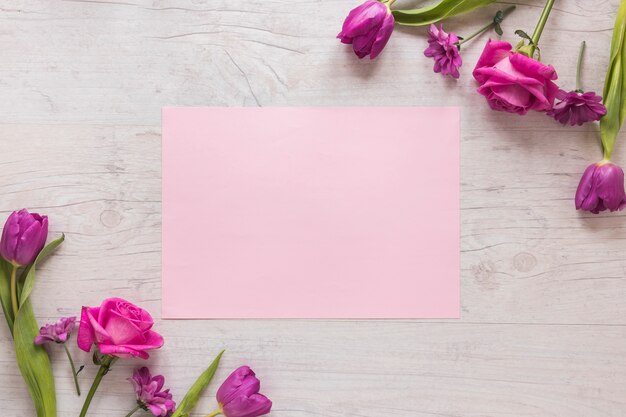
{"x": 239, "y": 395}
{"x": 601, "y": 187}
{"x": 368, "y": 27}
{"x": 23, "y": 237}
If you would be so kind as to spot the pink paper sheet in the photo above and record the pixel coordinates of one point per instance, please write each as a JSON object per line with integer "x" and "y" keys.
{"x": 311, "y": 212}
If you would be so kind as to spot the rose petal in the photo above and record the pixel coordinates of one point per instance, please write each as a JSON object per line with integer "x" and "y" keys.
{"x": 122, "y": 351}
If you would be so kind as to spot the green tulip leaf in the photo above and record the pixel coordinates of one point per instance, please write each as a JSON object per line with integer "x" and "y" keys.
{"x": 29, "y": 281}
{"x": 615, "y": 85}
{"x": 5, "y": 292}
{"x": 33, "y": 362}
{"x": 436, "y": 12}
{"x": 193, "y": 395}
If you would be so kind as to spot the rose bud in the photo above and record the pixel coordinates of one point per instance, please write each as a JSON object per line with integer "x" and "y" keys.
{"x": 601, "y": 187}
{"x": 118, "y": 328}
{"x": 368, "y": 28}
{"x": 23, "y": 237}
{"x": 513, "y": 82}
{"x": 239, "y": 396}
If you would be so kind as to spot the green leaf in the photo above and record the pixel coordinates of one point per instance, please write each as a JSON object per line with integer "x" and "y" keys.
{"x": 5, "y": 292}
{"x": 193, "y": 395}
{"x": 436, "y": 12}
{"x": 615, "y": 86}
{"x": 33, "y": 362}
{"x": 29, "y": 281}
{"x": 524, "y": 35}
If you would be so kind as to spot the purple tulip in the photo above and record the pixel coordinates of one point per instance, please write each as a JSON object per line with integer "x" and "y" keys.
{"x": 24, "y": 235}
{"x": 150, "y": 395}
{"x": 601, "y": 187}
{"x": 368, "y": 28}
{"x": 577, "y": 107}
{"x": 443, "y": 48}
{"x": 57, "y": 332}
{"x": 239, "y": 395}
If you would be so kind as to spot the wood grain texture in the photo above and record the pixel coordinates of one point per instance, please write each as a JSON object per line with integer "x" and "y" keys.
{"x": 543, "y": 332}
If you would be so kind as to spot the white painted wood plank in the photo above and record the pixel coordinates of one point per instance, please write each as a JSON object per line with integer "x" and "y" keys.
{"x": 543, "y": 327}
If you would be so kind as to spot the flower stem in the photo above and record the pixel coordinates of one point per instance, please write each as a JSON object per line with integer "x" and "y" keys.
{"x": 107, "y": 361}
{"x": 579, "y": 85}
{"x": 134, "y": 410}
{"x": 540, "y": 25}
{"x": 14, "y": 290}
{"x": 69, "y": 356}
{"x": 488, "y": 26}
{"x": 215, "y": 413}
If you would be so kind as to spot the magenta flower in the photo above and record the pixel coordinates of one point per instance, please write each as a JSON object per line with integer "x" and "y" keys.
{"x": 368, "y": 27}
{"x": 442, "y": 47}
{"x": 150, "y": 394}
{"x": 577, "y": 107}
{"x": 239, "y": 396}
{"x": 23, "y": 237}
{"x": 601, "y": 187}
{"x": 118, "y": 328}
{"x": 57, "y": 332}
{"x": 60, "y": 332}
{"x": 513, "y": 82}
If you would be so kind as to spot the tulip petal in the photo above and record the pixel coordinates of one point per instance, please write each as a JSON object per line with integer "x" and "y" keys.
{"x": 10, "y": 237}
{"x": 252, "y": 406}
{"x": 383, "y": 35}
{"x": 242, "y": 381}
{"x": 364, "y": 18}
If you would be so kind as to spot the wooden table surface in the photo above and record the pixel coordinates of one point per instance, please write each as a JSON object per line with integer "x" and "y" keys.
{"x": 543, "y": 328}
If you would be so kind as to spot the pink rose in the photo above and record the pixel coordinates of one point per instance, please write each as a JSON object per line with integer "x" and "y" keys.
{"x": 118, "y": 328}
{"x": 513, "y": 82}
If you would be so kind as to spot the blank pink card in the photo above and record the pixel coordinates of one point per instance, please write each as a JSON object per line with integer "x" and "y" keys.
{"x": 311, "y": 212}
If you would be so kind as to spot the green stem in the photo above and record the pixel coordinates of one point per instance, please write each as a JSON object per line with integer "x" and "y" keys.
{"x": 74, "y": 374}
{"x": 488, "y": 26}
{"x": 540, "y": 25}
{"x": 134, "y": 410}
{"x": 107, "y": 361}
{"x": 14, "y": 304}
{"x": 215, "y": 413}
{"x": 579, "y": 85}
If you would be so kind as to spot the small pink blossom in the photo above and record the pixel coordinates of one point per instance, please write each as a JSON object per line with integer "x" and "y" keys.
{"x": 443, "y": 48}
{"x": 577, "y": 107}
{"x": 150, "y": 394}
{"x": 57, "y": 332}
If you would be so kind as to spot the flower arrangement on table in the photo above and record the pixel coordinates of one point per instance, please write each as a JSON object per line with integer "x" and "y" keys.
{"x": 513, "y": 79}
{"x": 117, "y": 329}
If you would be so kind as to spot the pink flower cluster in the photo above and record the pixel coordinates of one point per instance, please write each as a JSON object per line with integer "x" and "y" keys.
{"x": 120, "y": 329}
